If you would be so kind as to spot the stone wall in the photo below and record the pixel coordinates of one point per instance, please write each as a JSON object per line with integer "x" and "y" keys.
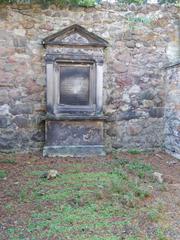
{"x": 134, "y": 81}
{"x": 172, "y": 111}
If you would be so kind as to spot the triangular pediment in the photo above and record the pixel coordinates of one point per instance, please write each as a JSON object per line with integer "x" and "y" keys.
{"x": 75, "y": 35}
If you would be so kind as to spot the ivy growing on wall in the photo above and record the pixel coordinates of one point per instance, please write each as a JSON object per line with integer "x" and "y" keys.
{"x": 131, "y": 1}
{"x": 144, "y": 1}
{"x": 82, "y": 3}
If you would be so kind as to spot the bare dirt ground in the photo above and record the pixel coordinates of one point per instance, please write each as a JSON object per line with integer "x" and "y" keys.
{"x": 25, "y": 197}
{"x": 170, "y": 197}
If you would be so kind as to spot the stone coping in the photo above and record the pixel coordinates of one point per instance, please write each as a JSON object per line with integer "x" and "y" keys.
{"x": 62, "y": 117}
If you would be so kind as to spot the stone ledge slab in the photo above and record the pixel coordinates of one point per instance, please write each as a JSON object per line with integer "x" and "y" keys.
{"x": 73, "y": 151}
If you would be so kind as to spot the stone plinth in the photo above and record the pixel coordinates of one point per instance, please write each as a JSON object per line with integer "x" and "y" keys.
{"x": 73, "y": 138}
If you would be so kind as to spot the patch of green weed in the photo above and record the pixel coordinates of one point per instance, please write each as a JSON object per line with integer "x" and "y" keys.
{"x": 8, "y": 161}
{"x": 3, "y": 174}
{"x": 153, "y": 214}
{"x": 135, "y": 151}
{"x": 23, "y": 195}
{"x": 9, "y": 207}
{"x": 160, "y": 234}
{"x": 132, "y": 238}
{"x": 140, "y": 169}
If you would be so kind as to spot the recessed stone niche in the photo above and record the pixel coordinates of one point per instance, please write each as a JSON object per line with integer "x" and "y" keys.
{"x": 74, "y": 77}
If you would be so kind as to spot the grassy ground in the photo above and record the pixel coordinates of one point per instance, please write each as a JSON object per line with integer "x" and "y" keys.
{"x": 104, "y": 198}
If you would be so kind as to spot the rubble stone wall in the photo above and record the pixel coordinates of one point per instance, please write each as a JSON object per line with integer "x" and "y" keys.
{"x": 134, "y": 78}
{"x": 172, "y": 112}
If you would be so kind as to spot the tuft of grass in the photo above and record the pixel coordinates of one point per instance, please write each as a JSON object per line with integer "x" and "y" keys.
{"x": 160, "y": 233}
{"x": 140, "y": 169}
{"x": 9, "y": 208}
{"x": 23, "y": 195}
{"x": 3, "y": 174}
{"x": 135, "y": 151}
{"x": 153, "y": 214}
{"x": 133, "y": 238}
{"x": 120, "y": 162}
{"x": 8, "y": 161}
{"x": 137, "y": 167}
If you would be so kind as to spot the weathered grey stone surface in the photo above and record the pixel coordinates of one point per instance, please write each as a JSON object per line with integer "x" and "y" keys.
{"x": 74, "y": 133}
{"x": 141, "y": 39}
{"x": 73, "y": 138}
{"x": 172, "y": 112}
{"x": 74, "y": 151}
